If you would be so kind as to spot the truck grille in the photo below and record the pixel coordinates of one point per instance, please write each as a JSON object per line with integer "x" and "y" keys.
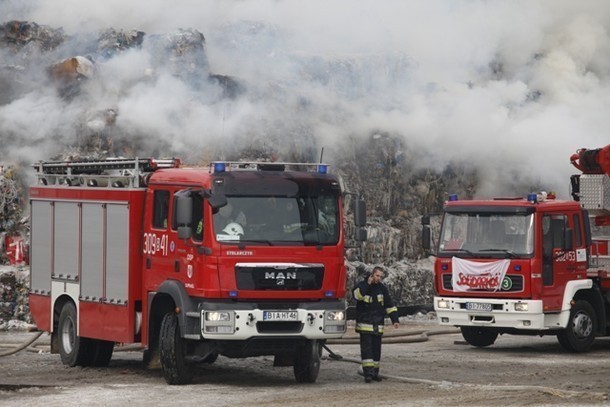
{"x": 516, "y": 286}
{"x": 279, "y": 327}
{"x": 255, "y": 277}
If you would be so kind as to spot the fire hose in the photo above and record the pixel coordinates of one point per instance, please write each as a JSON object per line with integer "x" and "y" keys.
{"x": 422, "y": 336}
{"x": 391, "y": 337}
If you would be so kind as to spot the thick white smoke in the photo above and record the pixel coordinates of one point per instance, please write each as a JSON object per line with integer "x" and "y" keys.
{"x": 512, "y": 87}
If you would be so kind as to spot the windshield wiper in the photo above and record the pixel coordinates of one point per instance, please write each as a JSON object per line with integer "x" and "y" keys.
{"x": 459, "y": 250}
{"x": 268, "y": 242}
{"x": 510, "y": 253}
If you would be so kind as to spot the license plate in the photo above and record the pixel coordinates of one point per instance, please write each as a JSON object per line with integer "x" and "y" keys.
{"x": 280, "y": 316}
{"x": 478, "y": 306}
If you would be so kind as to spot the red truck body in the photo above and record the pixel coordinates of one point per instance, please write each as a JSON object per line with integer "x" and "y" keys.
{"x": 531, "y": 266}
{"x": 140, "y": 252}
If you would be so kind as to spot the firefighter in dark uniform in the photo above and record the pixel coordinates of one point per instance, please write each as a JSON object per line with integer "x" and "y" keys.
{"x": 373, "y": 303}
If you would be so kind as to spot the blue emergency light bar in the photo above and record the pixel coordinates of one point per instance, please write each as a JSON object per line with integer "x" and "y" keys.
{"x": 453, "y": 197}
{"x": 223, "y": 166}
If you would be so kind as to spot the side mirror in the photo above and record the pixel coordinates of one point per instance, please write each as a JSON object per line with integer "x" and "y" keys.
{"x": 184, "y": 215}
{"x": 360, "y": 212}
{"x": 426, "y": 237}
{"x": 425, "y": 220}
{"x": 361, "y": 234}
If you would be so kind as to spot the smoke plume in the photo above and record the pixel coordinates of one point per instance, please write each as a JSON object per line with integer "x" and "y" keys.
{"x": 509, "y": 88}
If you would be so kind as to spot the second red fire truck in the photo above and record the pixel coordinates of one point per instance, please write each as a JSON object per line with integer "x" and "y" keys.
{"x": 529, "y": 266}
{"x": 238, "y": 259}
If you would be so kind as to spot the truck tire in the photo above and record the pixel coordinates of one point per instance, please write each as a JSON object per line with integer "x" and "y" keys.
{"x": 74, "y": 350}
{"x": 101, "y": 352}
{"x": 477, "y": 336}
{"x": 172, "y": 347}
{"x": 307, "y": 362}
{"x": 578, "y": 336}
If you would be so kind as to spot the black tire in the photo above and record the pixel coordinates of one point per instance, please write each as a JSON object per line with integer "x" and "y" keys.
{"x": 307, "y": 362}
{"x": 172, "y": 348}
{"x": 211, "y": 358}
{"x": 479, "y": 337}
{"x": 101, "y": 352}
{"x": 579, "y": 335}
{"x": 74, "y": 350}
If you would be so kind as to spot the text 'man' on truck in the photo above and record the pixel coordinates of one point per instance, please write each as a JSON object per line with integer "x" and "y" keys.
{"x": 238, "y": 259}
{"x": 529, "y": 266}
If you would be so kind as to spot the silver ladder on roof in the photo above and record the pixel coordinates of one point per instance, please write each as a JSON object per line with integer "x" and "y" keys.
{"x": 112, "y": 172}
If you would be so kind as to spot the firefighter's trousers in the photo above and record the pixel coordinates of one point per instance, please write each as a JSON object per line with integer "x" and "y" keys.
{"x": 370, "y": 353}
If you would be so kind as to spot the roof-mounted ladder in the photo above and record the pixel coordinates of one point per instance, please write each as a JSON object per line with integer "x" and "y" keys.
{"x": 112, "y": 172}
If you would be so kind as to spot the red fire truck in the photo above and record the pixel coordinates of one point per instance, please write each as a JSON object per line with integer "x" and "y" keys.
{"x": 238, "y": 259}
{"x": 530, "y": 266}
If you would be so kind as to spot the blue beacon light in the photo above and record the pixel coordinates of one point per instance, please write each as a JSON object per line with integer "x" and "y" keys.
{"x": 322, "y": 168}
{"x": 220, "y": 167}
{"x": 533, "y": 198}
{"x": 453, "y": 197}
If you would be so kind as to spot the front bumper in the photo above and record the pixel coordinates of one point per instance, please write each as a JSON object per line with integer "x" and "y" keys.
{"x": 236, "y": 323}
{"x": 505, "y": 313}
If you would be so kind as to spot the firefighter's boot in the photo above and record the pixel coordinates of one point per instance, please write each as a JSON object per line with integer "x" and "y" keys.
{"x": 368, "y": 374}
{"x": 375, "y": 375}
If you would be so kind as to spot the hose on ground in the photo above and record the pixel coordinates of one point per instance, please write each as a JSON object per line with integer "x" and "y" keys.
{"x": 422, "y": 336}
{"x": 30, "y": 346}
{"x": 24, "y": 345}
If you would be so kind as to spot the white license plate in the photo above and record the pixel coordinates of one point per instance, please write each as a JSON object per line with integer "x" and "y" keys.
{"x": 478, "y": 306}
{"x": 280, "y": 316}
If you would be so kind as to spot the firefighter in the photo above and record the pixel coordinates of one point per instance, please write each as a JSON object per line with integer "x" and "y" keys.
{"x": 373, "y": 302}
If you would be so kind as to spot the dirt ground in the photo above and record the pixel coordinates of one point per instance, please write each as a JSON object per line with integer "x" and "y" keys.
{"x": 443, "y": 370}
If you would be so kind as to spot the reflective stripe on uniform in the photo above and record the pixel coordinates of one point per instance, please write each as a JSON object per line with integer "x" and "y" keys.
{"x": 376, "y": 364}
{"x": 390, "y": 310}
{"x": 362, "y": 327}
{"x": 364, "y": 298}
{"x": 368, "y": 363}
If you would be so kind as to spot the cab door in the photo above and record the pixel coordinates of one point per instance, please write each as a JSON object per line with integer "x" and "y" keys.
{"x": 189, "y": 261}
{"x": 157, "y": 250}
{"x": 559, "y": 261}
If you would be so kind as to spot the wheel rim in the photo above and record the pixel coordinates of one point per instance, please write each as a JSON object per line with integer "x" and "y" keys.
{"x": 68, "y": 335}
{"x": 582, "y": 325}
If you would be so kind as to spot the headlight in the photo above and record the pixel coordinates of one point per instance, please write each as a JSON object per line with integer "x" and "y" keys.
{"x": 217, "y": 316}
{"x": 521, "y": 306}
{"x": 442, "y": 304}
{"x": 335, "y": 316}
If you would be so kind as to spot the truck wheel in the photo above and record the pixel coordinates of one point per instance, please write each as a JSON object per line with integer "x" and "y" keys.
{"x": 102, "y": 352}
{"x": 307, "y": 362}
{"x": 74, "y": 350}
{"x": 580, "y": 332}
{"x": 172, "y": 347}
{"x": 479, "y": 337}
{"x": 211, "y": 358}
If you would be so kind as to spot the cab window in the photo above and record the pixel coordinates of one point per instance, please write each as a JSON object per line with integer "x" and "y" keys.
{"x": 160, "y": 209}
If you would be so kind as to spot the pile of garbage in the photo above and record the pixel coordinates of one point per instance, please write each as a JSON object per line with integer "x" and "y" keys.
{"x": 14, "y": 309}
{"x": 29, "y": 36}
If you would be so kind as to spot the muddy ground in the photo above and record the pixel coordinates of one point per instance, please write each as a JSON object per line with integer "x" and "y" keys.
{"x": 443, "y": 370}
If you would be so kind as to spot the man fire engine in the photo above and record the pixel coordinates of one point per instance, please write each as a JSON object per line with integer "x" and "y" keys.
{"x": 529, "y": 266}
{"x": 131, "y": 251}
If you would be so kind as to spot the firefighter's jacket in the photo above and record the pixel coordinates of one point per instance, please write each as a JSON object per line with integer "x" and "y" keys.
{"x": 373, "y": 303}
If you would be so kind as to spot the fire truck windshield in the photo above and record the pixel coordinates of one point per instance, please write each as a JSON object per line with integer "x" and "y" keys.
{"x": 273, "y": 220}
{"x": 495, "y": 235}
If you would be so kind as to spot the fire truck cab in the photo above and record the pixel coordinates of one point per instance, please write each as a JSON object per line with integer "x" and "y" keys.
{"x": 238, "y": 259}
{"x": 524, "y": 266}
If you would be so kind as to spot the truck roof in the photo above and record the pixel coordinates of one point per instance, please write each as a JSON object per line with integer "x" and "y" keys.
{"x": 508, "y": 204}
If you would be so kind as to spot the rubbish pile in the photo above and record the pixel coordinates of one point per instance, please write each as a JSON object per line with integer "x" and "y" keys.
{"x": 14, "y": 309}
{"x": 28, "y": 36}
